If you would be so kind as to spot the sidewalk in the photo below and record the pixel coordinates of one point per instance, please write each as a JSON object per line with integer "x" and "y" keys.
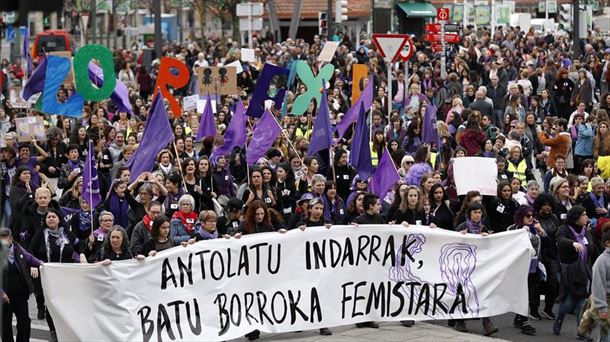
{"x": 388, "y": 331}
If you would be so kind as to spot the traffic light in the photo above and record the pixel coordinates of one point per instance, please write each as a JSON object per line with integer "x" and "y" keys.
{"x": 340, "y": 11}
{"x": 565, "y": 17}
{"x": 322, "y": 24}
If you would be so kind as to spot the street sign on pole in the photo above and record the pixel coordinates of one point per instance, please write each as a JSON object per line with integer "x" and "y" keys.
{"x": 250, "y": 18}
{"x": 442, "y": 14}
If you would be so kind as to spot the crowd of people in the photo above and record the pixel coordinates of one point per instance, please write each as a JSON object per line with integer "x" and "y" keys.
{"x": 520, "y": 98}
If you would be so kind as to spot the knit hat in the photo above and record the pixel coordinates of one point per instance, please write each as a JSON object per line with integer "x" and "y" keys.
{"x": 556, "y": 182}
{"x": 306, "y": 197}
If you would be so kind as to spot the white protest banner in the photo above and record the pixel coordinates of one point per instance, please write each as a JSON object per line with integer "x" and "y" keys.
{"x": 328, "y": 51}
{"x": 222, "y": 289}
{"x": 247, "y": 55}
{"x": 475, "y": 173}
{"x": 190, "y": 102}
{"x": 201, "y": 105}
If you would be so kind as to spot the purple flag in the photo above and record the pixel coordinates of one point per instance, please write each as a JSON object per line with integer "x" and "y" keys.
{"x": 91, "y": 184}
{"x": 385, "y": 175}
{"x": 35, "y": 83}
{"x": 366, "y": 99}
{"x": 265, "y": 133}
{"x": 322, "y": 136}
{"x": 157, "y": 134}
{"x": 360, "y": 154}
{"x": 207, "y": 128}
{"x": 429, "y": 131}
{"x": 235, "y": 136}
{"x": 120, "y": 94}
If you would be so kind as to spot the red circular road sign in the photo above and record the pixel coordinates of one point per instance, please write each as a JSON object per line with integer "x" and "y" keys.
{"x": 407, "y": 51}
{"x": 442, "y": 14}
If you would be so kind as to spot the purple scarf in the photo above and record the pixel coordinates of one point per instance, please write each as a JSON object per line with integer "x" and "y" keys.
{"x": 580, "y": 238}
{"x": 73, "y": 165}
{"x": 599, "y": 202}
{"x": 474, "y": 228}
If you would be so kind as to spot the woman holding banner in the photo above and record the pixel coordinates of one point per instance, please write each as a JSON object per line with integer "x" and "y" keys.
{"x": 54, "y": 243}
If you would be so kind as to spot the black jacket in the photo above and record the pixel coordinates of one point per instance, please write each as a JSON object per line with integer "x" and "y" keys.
{"x": 23, "y": 261}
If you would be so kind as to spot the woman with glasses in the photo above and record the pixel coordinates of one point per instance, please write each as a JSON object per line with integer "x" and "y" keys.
{"x": 205, "y": 229}
{"x": 560, "y": 189}
{"x": 524, "y": 219}
{"x": 183, "y": 221}
{"x": 576, "y": 252}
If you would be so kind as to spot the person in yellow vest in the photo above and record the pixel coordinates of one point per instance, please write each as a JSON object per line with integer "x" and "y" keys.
{"x": 517, "y": 165}
{"x": 377, "y": 146}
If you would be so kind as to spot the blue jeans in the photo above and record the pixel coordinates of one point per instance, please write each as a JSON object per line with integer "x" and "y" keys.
{"x": 567, "y": 305}
{"x": 399, "y": 107}
{"x": 6, "y": 213}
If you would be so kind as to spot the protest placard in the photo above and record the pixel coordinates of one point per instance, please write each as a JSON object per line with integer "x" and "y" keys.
{"x": 217, "y": 80}
{"x": 328, "y": 51}
{"x": 247, "y": 55}
{"x": 190, "y": 102}
{"x": 218, "y": 290}
{"x": 475, "y": 173}
{"x": 31, "y": 127}
{"x": 15, "y": 98}
{"x": 67, "y": 54}
{"x": 237, "y": 65}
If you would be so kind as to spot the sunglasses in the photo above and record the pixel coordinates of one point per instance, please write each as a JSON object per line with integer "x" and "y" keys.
{"x": 529, "y": 216}
{"x": 410, "y": 162}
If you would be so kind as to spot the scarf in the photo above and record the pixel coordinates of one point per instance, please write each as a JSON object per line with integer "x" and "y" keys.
{"x": 580, "y": 238}
{"x": 474, "y": 228}
{"x": 188, "y": 220}
{"x": 118, "y": 207}
{"x": 530, "y": 200}
{"x": 148, "y": 221}
{"x": 171, "y": 199}
{"x": 73, "y": 165}
{"x": 207, "y": 235}
{"x": 59, "y": 238}
{"x": 599, "y": 202}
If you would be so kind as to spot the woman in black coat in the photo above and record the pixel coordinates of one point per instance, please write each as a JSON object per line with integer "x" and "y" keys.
{"x": 21, "y": 191}
{"x": 54, "y": 243}
{"x": 502, "y": 208}
{"x": 115, "y": 247}
{"x": 442, "y": 215}
{"x": 563, "y": 94}
{"x": 576, "y": 252}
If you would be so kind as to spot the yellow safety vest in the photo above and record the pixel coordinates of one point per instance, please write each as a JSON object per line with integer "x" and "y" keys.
{"x": 374, "y": 156}
{"x": 519, "y": 170}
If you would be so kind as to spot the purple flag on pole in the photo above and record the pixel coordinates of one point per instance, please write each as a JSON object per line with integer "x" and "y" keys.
{"x": 360, "y": 154}
{"x": 235, "y": 136}
{"x": 429, "y": 131}
{"x": 157, "y": 134}
{"x": 35, "y": 83}
{"x": 322, "y": 136}
{"x": 91, "y": 184}
{"x": 207, "y": 128}
{"x": 120, "y": 94}
{"x": 385, "y": 175}
{"x": 366, "y": 98}
{"x": 265, "y": 133}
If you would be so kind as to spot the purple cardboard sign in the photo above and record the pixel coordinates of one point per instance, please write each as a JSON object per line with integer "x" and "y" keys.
{"x": 256, "y": 108}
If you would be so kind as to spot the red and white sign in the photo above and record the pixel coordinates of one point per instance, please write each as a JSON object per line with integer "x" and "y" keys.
{"x": 450, "y": 38}
{"x": 392, "y": 46}
{"x": 442, "y": 14}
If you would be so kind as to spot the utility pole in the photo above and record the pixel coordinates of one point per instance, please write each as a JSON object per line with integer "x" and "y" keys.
{"x": 576, "y": 30}
{"x": 179, "y": 18}
{"x": 329, "y": 19}
{"x": 158, "y": 40}
{"x": 92, "y": 20}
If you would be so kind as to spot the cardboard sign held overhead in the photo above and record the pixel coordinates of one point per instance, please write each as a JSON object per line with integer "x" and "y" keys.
{"x": 31, "y": 127}
{"x": 328, "y": 51}
{"x": 217, "y": 80}
{"x": 15, "y": 99}
{"x": 68, "y": 54}
{"x": 248, "y": 55}
{"x": 359, "y": 71}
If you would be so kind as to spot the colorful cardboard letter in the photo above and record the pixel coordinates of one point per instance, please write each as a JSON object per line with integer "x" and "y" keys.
{"x": 166, "y": 77}
{"x": 81, "y": 66}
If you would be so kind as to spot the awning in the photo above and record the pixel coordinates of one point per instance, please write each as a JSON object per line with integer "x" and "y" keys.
{"x": 417, "y": 9}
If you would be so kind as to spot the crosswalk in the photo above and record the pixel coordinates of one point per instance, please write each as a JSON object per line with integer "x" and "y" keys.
{"x": 39, "y": 328}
